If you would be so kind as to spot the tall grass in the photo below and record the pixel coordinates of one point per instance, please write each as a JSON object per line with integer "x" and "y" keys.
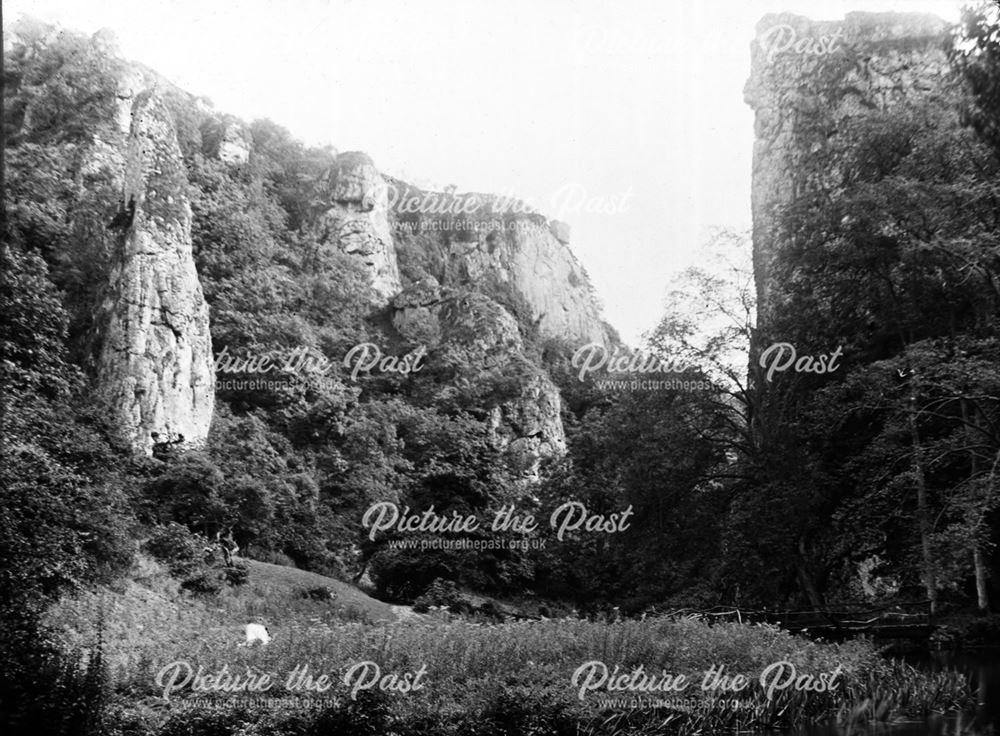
{"x": 518, "y": 675}
{"x": 45, "y": 689}
{"x": 483, "y": 679}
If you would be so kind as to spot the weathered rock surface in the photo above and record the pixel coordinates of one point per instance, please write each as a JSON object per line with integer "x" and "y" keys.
{"x": 806, "y": 78}
{"x": 507, "y": 275}
{"x": 357, "y": 220}
{"x": 491, "y": 244}
{"x": 478, "y": 344}
{"x": 155, "y": 365}
{"x": 530, "y": 260}
{"x": 560, "y": 231}
{"x": 131, "y": 82}
{"x": 234, "y": 148}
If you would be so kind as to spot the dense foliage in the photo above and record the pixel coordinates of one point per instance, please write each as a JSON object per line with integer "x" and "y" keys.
{"x": 882, "y": 475}
{"x": 873, "y": 482}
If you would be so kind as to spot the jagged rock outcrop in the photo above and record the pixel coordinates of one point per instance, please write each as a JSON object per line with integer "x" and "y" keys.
{"x": 154, "y": 363}
{"x": 476, "y": 344}
{"x": 529, "y": 428}
{"x": 560, "y": 231}
{"x": 132, "y": 78}
{"x": 507, "y": 276}
{"x": 496, "y": 245}
{"x": 234, "y": 148}
{"x": 223, "y": 137}
{"x": 356, "y": 220}
{"x": 131, "y": 82}
{"x": 528, "y": 258}
{"x": 806, "y": 77}
{"x": 147, "y": 341}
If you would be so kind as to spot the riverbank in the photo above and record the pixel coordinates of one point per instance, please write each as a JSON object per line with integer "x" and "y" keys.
{"x": 966, "y": 629}
{"x": 332, "y": 667}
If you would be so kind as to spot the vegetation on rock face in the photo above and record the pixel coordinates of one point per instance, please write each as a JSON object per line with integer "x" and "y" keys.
{"x": 890, "y": 256}
{"x": 65, "y": 519}
{"x": 889, "y": 252}
{"x": 290, "y": 467}
{"x": 875, "y": 483}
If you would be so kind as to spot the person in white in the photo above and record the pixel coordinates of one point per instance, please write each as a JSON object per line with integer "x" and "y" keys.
{"x": 257, "y": 633}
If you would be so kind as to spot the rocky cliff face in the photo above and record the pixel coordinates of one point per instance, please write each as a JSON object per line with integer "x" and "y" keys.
{"x": 476, "y": 344}
{"x": 481, "y": 273}
{"x": 500, "y": 278}
{"x": 533, "y": 259}
{"x": 472, "y": 240}
{"x": 495, "y": 245}
{"x": 154, "y": 364}
{"x": 356, "y": 220}
{"x": 806, "y": 78}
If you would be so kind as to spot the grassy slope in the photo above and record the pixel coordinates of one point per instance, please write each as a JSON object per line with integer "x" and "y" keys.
{"x": 149, "y": 623}
{"x": 279, "y": 584}
{"x": 150, "y": 611}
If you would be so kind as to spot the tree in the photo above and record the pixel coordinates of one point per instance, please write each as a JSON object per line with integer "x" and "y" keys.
{"x": 976, "y": 56}
{"x": 32, "y": 329}
{"x": 188, "y": 492}
{"x": 891, "y": 256}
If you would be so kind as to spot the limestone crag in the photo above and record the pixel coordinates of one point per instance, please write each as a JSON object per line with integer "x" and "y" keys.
{"x": 356, "y": 220}
{"x": 154, "y": 366}
{"x": 806, "y": 77}
{"x": 476, "y": 345}
{"x": 528, "y": 258}
{"x": 501, "y": 247}
{"x": 234, "y": 148}
{"x": 485, "y": 285}
{"x": 529, "y": 428}
{"x": 560, "y": 231}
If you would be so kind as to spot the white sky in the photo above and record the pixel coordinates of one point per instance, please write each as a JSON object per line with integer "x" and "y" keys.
{"x": 637, "y": 103}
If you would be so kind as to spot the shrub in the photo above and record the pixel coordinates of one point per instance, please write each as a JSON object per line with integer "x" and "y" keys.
{"x": 236, "y": 574}
{"x": 206, "y": 581}
{"x": 45, "y": 690}
{"x": 441, "y": 593}
{"x": 366, "y": 716}
{"x": 273, "y": 557}
{"x": 222, "y": 722}
{"x": 188, "y": 492}
{"x": 184, "y": 553}
{"x": 176, "y": 547}
{"x": 318, "y": 593}
{"x": 524, "y": 711}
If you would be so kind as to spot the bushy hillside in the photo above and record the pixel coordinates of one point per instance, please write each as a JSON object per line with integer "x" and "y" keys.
{"x": 245, "y": 377}
{"x": 290, "y": 467}
{"x": 860, "y": 484}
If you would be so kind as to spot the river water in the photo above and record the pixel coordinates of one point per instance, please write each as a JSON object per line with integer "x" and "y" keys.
{"x": 983, "y": 668}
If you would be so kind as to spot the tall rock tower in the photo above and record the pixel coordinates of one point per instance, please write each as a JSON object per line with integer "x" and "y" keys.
{"x": 155, "y": 365}
{"x": 806, "y": 78}
{"x": 356, "y": 221}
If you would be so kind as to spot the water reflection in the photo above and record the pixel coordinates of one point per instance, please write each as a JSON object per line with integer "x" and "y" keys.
{"x": 981, "y": 665}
